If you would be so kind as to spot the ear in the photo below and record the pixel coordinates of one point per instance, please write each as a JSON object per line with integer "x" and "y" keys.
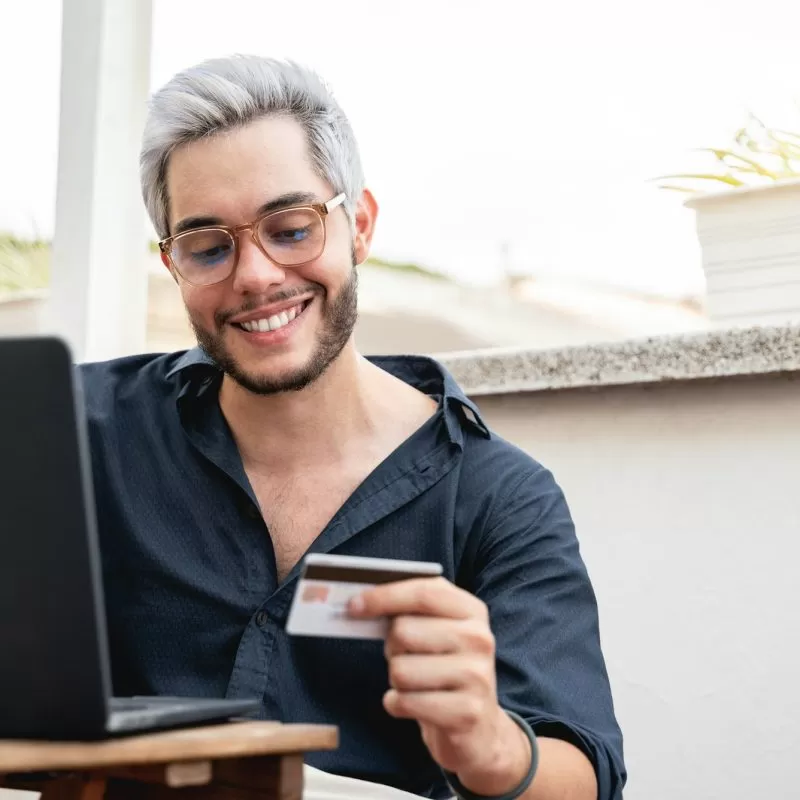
{"x": 366, "y": 213}
{"x": 165, "y": 261}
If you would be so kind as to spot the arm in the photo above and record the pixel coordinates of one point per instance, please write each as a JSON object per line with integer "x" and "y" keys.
{"x": 541, "y": 657}
{"x": 564, "y": 772}
{"x": 528, "y": 570}
{"x": 441, "y": 658}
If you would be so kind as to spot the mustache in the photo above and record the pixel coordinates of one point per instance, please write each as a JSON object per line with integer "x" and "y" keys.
{"x": 254, "y": 303}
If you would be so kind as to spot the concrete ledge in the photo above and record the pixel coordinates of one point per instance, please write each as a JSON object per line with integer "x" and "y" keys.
{"x": 736, "y": 352}
{"x": 9, "y": 299}
{"x": 23, "y": 313}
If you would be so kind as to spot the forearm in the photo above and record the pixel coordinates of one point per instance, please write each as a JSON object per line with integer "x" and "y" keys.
{"x": 564, "y": 772}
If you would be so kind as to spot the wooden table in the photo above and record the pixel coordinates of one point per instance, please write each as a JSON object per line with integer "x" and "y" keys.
{"x": 235, "y": 761}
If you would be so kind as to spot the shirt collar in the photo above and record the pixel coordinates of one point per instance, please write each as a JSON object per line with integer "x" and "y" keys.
{"x": 192, "y": 358}
{"x": 421, "y": 372}
{"x": 429, "y": 376}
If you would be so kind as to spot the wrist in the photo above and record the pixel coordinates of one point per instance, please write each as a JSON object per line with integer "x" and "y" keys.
{"x": 509, "y": 760}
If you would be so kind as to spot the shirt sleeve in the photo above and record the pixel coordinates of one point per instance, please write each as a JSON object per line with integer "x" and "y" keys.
{"x": 550, "y": 668}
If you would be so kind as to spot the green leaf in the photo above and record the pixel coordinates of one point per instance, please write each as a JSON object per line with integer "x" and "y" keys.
{"x": 788, "y": 134}
{"x": 757, "y": 153}
{"x": 684, "y": 189}
{"x": 725, "y": 155}
{"x": 729, "y": 179}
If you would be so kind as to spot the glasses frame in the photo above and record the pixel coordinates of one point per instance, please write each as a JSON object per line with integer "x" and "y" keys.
{"x": 322, "y": 210}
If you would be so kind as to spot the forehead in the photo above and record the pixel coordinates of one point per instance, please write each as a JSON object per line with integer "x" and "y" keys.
{"x": 231, "y": 174}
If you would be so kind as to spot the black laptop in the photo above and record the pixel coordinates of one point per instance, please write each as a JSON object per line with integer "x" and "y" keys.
{"x": 54, "y": 666}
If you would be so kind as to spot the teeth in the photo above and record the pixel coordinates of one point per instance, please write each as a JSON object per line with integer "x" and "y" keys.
{"x": 272, "y": 323}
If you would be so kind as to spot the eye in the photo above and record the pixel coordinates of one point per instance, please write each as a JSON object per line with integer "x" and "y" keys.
{"x": 212, "y": 256}
{"x": 290, "y": 235}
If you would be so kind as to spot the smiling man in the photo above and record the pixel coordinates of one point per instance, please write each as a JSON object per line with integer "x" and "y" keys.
{"x": 219, "y": 468}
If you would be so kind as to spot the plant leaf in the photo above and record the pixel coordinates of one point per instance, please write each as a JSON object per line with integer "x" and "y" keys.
{"x": 725, "y": 155}
{"x": 684, "y": 189}
{"x": 729, "y": 179}
{"x": 758, "y": 153}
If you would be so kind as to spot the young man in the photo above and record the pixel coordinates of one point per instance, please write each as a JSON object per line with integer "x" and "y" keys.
{"x": 218, "y": 469}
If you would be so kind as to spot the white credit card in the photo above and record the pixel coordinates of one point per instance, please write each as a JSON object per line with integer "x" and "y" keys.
{"x": 328, "y": 582}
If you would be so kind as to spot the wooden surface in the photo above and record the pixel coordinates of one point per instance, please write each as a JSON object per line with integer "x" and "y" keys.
{"x": 273, "y": 777}
{"x": 260, "y": 778}
{"x": 212, "y": 743}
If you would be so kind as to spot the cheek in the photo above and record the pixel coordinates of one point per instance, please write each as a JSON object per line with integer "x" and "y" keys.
{"x": 200, "y": 303}
{"x": 332, "y": 269}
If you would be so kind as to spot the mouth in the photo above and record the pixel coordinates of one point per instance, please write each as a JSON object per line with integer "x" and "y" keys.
{"x": 274, "y": 322}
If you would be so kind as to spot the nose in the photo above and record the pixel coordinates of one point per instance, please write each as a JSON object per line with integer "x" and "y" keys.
{"x": 255, "y": 273}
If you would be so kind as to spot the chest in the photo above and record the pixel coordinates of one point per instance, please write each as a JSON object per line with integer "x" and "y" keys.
{"x": 297, "y": 508}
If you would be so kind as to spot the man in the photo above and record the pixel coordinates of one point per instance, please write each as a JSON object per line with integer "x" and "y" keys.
{"x": 218, "y": 469}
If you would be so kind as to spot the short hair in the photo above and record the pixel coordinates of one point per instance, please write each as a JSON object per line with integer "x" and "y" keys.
{"x": 225, "y": 93}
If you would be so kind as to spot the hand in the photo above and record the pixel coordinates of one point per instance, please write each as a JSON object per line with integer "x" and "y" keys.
{"x": 441, "y": 656}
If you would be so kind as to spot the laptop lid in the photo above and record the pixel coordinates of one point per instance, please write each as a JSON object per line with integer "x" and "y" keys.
{"x": 54, "y": 674}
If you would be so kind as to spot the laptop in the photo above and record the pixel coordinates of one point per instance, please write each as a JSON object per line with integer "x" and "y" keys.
{"x": 55, "y": 677}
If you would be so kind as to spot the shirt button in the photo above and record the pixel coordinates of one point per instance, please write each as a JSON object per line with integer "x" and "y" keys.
{"x": 262, "y": 618}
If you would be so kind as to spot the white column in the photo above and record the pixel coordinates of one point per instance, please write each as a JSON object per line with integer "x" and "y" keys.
{"x": 98, "y": 300}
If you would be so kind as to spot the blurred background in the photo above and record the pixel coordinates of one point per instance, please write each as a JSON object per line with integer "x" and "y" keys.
{"x": 517, "y": 152}
{"x": 512, "y": 149}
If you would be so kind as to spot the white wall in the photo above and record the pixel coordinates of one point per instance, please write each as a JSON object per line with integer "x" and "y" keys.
{"x": 687, "y": 502}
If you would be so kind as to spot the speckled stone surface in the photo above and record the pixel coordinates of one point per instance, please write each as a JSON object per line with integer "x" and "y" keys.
{"x": 718, "y": 354}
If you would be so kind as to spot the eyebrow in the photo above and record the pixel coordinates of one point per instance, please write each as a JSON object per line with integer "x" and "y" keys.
{"x": 276, "y": 204}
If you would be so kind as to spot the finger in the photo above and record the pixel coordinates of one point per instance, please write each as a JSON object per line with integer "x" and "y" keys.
{"x": 452, "y": 711}
{"x": 433, "y": 597}
{"x": 426, "y": 673}
{"x": 415, "y": 634}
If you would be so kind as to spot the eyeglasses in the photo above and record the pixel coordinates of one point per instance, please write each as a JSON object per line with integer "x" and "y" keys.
{"x": 289, "y": 237}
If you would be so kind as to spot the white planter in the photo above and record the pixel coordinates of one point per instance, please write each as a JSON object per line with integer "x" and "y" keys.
{"x": 750, "y": 242}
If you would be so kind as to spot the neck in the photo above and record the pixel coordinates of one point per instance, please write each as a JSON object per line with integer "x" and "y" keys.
{"x": 315, "y": 424}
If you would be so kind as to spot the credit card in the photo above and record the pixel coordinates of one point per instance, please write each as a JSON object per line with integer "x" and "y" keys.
{"x": 328, "y": 582}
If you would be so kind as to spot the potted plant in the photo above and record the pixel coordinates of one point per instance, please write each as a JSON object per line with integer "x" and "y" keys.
{"x": 748, "y": 225}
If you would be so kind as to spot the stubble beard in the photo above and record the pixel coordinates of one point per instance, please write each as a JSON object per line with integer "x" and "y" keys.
{"x": 338, "y": 320}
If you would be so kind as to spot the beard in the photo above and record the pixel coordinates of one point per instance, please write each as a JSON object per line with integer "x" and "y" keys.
{"x": 338, "y": 319}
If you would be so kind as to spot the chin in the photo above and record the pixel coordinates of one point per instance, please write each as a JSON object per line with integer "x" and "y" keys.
{"x": 270, "y": 379}
{"x": 272, "y": 382}
{"x": 271, "y": 374}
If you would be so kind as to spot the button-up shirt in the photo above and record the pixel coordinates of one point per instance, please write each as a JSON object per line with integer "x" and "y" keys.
{"x": 195, "y": 607}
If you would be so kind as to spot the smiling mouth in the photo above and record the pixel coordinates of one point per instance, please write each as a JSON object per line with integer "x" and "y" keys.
{"x": 274, "y": 322}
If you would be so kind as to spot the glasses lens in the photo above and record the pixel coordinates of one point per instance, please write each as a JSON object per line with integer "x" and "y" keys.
{"x": 204, "y": 257}
{"x": 294, "y": 236}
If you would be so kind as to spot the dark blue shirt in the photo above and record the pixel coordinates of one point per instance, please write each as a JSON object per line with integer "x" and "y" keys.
{"x": 195, "y": 608}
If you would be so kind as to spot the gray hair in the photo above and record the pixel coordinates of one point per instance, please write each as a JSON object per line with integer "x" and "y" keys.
{"x": 226, "y": 93}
